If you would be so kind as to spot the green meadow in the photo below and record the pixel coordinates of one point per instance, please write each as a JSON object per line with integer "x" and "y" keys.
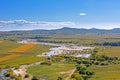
{"x": 110, "y": 72}
{"x": 52, "y": 72}
{"x": 110, "y": 51}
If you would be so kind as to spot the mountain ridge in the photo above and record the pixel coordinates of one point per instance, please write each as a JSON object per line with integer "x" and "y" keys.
{"x": 61, "y": 31}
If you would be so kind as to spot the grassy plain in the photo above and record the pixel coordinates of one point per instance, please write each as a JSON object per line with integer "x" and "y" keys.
{"x": 110, "y": 72}
{"x": 51, "y": 72}
{"x": 83, "y": 39}
{"x": 110, "y": 51}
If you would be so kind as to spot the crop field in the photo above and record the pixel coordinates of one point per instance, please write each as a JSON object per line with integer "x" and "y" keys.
{"x": 26, "y": 57}
{"x": 0, "y": 41}
{"x": 6, "y": 45}
{"x": 110, "y": 72}
{"x": 51, "y": 72}
{"x": 23, "y": 48}
{"x": 8, "y": 57}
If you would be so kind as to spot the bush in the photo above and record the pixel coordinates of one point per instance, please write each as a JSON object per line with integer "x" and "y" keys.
{"x": 7, "y": 75}
{"x": 85, "y": 77}
{"x": 103, "y": 63}
{"x": 26, "y": 76}
{"x": 96, "y": 63}
{"x": 60, "y": 78}
{"x": 34, "y": 78}
{"x": 46, "y": 63}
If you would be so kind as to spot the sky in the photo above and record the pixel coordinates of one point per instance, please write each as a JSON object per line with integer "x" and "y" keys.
{"x": 53, "y": 14}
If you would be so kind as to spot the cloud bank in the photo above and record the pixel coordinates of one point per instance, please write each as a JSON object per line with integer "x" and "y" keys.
{"x": 30, "y": 25}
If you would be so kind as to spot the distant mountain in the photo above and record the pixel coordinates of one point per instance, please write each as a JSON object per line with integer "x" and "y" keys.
{"x": 70, "y": 31}
{"x": 62, "y": 31}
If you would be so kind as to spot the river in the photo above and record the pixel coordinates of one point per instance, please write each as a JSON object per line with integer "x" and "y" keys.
{"x": 57, "y": 49}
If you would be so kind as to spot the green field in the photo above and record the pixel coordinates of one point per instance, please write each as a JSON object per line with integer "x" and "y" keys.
{"x": 26, "y": 57}
{"x": 53, "y": 71}
{"x": 110, "y": 72}
{"x": 110, "y": 51}
{"x": 5, "y": 46}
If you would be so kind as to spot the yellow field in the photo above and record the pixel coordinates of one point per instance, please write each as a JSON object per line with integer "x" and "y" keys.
{"x": 1, "y": 41}
{"x": 23, "y": 48}
{"x": 9, "y": 57}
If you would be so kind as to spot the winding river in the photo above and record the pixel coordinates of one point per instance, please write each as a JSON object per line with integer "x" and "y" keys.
{"x": 53, "y": 51}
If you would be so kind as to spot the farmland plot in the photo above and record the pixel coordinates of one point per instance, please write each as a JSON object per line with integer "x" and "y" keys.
{"x": 23, "y": 48}
{"x": 9, "y": 57}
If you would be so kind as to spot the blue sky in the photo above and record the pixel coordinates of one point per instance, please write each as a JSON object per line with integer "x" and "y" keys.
{"x": 57, "y": 13}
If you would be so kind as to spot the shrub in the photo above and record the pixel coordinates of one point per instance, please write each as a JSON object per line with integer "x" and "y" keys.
{"x": 26, "y": 76}
{"x": 34, "y": 78}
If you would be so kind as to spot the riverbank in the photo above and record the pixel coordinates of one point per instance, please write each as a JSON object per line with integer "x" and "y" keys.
{"x": 56, "y": 50}
{"x": 62, "y": 49}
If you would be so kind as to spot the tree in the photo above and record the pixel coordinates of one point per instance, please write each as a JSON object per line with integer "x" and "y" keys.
{"x": 81, "y": 67}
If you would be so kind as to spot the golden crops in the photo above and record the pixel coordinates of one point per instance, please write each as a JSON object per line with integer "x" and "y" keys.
{"x": 1, "y": 41}
{"x": 9, "y": 57}
{"x": 22, "y": 48}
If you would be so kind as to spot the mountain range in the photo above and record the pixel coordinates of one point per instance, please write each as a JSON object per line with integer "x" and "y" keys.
{"x": 62, "y": 31}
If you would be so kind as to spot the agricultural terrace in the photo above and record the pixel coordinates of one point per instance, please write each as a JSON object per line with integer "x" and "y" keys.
{"x": 8, "y": 57}
{"x": 23, "y": 48}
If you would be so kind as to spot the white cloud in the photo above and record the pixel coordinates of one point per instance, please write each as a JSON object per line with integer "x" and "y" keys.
{"x": 28, "y": 25}
{"x": 105, "y": 25}
{"x": 83, "y": 14}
